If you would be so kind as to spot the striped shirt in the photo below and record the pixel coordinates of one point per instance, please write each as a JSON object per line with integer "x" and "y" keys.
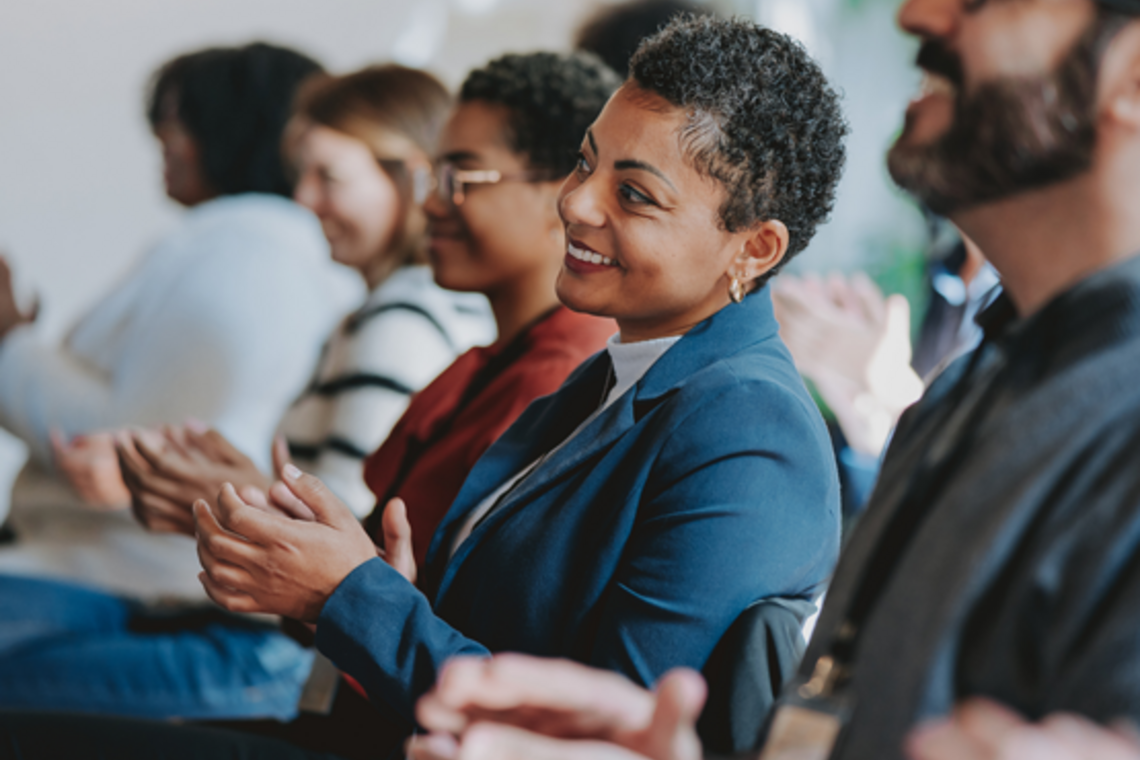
{"x": 407, "y": 332}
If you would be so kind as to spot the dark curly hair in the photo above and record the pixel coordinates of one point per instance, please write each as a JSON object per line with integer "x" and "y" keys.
{"x": 615, "y": 31}
{"x": 762, "y": 119}
{"x": 235, "y": 103}
{"x": 552, "y": 98}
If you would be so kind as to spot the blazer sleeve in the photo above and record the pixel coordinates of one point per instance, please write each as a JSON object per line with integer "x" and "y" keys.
{"x": 382, "y": 631}
{"x": 741, "y": 504}
{"x": 379, "y": 628}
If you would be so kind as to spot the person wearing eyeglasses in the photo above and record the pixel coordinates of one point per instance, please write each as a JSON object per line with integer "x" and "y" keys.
{"x": 356, "y": 142}
{"x": 629, "y": 518}
{"x": 493, "y": 230}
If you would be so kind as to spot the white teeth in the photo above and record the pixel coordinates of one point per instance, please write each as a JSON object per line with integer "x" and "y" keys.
{"x": 935, "y": 84}
{"x": 589, "y": 257}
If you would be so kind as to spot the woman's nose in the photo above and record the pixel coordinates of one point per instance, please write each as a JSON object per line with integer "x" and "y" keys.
{"x": 579, "y": 202}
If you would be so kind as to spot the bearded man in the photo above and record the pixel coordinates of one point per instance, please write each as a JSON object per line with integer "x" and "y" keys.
{"x": 1000, "y": 553}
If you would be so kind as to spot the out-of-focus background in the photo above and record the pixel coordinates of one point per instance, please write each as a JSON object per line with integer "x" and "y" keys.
{"x": 80, "y": 175}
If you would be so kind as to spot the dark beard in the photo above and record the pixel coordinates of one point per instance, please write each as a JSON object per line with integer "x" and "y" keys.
{"x": 1008, "y": 136}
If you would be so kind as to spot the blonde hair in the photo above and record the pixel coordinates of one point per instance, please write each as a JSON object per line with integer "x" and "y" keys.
{"x": 398, "y": 113}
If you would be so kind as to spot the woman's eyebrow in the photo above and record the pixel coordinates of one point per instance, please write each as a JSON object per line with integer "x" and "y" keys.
{"x": 629, "y": 163}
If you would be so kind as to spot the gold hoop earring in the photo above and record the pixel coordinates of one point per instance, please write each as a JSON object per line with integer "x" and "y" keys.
{"x": 736, "y": 290}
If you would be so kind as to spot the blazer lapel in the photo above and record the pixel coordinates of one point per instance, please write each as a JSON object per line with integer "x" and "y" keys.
{"x": 544, "y": 424}
{"x": 731, "y": 329}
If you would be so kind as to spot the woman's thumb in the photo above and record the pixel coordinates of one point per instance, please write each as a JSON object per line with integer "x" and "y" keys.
{"x": 397, "y": 530}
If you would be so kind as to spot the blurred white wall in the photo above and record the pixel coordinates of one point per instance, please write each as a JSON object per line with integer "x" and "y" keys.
{"x": 80, "y": 186}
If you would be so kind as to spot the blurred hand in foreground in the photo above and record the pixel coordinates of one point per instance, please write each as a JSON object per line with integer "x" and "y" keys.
{"x": 516, "y": 707}
{"x": 167, "y": 471}
{"x": 854, "y": 344}
{"x": 91, "y": 467}
{"x": 983, "y": 730}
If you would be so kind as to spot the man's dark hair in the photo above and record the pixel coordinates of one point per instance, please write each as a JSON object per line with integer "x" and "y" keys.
{"x": 235, "y": 103}
{"x": 552, "y": 99}
{"x": 762, "y": 119}
{"x": 614, "y": 32}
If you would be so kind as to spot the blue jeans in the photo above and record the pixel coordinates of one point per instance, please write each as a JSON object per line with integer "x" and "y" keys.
{"x": 69, "y": 648}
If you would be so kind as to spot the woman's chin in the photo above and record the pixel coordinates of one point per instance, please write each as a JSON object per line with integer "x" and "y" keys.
{"x": 573, "y": 296}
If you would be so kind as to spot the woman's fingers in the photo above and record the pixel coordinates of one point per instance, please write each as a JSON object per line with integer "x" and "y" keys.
{"x": 161, "y": 515}
{"x": 672, "y": 733}
{"x": 490, "y": 741}
{"x": 163, "y": 459}
{"x": 325, "y": 506}
{"x": 228, "y": 599}
{"x": 868, "y": 296}
{"x": 281, "y": 455}
{"x": 215, "y": 445}
{"x": 254, "y": 525}
{"x": 218, "y": 540}
{"x": 432, "y": 747}
{"x": 285, "y": 501}
{"x": 556, "y": 696}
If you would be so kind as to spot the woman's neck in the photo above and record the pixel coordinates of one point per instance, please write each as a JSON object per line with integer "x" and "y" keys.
{"x": 379, "y": 269}
{"x": 516, "y": 307}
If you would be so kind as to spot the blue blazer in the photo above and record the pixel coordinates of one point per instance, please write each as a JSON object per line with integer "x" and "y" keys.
{"x": 708, "y": 485}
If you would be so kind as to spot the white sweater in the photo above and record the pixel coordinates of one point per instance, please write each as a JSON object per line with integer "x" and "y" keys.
{"x": 407, "y": 332}
{"x": 221, "y": 321}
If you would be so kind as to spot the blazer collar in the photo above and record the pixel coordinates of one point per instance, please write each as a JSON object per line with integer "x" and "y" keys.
{"x": 732, "y": 329}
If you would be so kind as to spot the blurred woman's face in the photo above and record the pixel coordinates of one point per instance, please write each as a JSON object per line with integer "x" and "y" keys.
{"x": 358, "y": 204}
{"x": 644, "y": 243}
{"x": 502, "y": 233}
{"x": 182, "y": 172}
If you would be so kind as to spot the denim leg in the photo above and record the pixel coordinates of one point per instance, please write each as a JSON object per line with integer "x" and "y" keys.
{"x": 32, "y": 609}
{"x": 49, "y": 736}
{"x": 86, "y": 659}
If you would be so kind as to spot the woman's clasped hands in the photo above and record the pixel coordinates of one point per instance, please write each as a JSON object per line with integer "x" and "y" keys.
{"x": 285, "y": 552}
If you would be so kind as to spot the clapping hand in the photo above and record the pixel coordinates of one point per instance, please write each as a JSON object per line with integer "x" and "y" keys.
{"x": 854, "y": 344}
{"x": 516, "y": 707}
{"x": 269, "y": 557}
{"x": 166, "y": 472}
{"x": 983, "y": 730}
{"x": 91, "y": 466}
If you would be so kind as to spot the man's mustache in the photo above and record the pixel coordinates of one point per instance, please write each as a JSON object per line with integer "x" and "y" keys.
{"x": 935, "y": 58}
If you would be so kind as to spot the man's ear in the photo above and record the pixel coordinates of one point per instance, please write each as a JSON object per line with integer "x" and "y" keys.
{"x": 1120, "y": 79}
{"x": 762, "y": 248}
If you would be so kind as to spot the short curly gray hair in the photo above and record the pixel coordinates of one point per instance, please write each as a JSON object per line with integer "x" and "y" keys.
{"x": 763, "y": 119}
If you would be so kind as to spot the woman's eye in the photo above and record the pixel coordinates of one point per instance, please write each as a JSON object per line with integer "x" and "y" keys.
{"x": 630, "y": 195}
{"x": 582, "y": 167}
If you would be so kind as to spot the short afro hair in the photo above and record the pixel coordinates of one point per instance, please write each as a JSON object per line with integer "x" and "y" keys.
{"x": 552, "y": 99}
{"x": 235, "y": 102}
{"x": 762, "y": 119}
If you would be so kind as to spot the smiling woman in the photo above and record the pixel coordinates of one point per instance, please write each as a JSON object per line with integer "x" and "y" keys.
{"x": 628, "y": 519}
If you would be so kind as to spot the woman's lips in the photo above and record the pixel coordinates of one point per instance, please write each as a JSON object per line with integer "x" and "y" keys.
{"x": 581, "y": 259}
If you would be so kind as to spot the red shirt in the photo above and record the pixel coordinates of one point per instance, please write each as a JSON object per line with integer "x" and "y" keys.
{"x": 436, "y": 443}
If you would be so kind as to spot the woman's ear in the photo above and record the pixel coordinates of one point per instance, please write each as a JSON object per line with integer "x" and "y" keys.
{"x": 1120, "y": 79}
{"x": 761, "y": 250}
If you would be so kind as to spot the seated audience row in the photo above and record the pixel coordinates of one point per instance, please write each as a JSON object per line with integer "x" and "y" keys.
{"x": 618, "y": 521}
{"x": 628, "y": 519}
